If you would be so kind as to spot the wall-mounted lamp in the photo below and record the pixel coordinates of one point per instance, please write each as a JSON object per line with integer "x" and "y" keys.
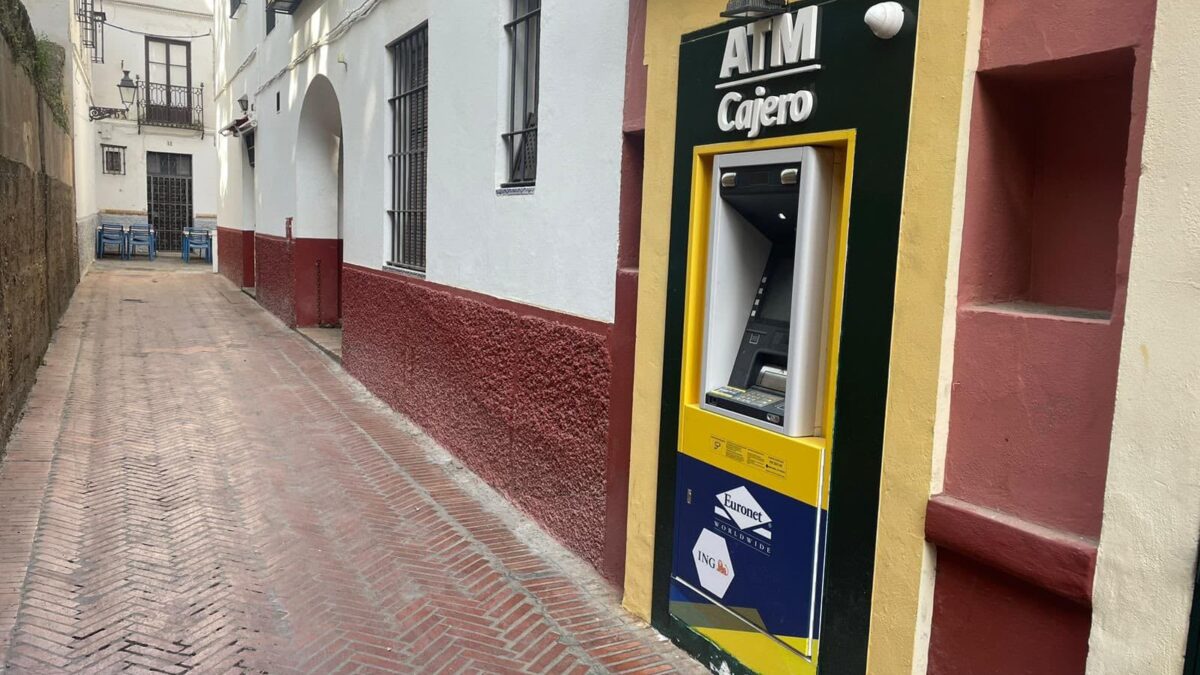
{"x": 128, "y": 89}
{"x": 244, "y": 102}
{"x": 753, "y": 9}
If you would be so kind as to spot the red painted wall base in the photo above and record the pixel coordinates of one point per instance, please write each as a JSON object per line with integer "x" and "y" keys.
{"x": 275, "y": 287}
{"x": 235, "y": 255}
{"x": 520, "y": 394}
{"x": 299, "y": 280}
{"x": 317, "y": 273}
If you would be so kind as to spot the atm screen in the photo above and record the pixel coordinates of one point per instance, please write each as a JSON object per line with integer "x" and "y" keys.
{"x": 777, "y": 297}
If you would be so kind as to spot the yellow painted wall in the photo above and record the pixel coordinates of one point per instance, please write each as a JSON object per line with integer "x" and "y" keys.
{"x": 932, "y": 205}
{"x": 922, "y": 332}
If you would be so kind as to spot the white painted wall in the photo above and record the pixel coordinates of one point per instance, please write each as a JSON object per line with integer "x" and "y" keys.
{"x": 169, "y": 19}
{"x": 1148, "y": 543}
{"x": 55, "y": 20}
{"x": 555, "y": 248}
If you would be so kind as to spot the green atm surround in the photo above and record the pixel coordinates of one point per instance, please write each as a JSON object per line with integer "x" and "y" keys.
{"x": 864, "y": 87}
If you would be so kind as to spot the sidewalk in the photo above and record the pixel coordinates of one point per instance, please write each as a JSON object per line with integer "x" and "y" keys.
{"x": 195, "y": 487}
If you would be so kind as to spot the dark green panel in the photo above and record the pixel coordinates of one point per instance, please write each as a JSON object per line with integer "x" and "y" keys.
{"x": 1191, "y": 665}
{"x": 865, "y": 84}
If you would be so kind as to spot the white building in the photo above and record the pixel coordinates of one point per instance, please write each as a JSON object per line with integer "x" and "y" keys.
{"x": 155, "y": 160}
{"x": 444, "y": 179}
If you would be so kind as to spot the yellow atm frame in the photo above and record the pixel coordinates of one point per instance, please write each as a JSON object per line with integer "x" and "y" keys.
{"x": 798, "y": 468}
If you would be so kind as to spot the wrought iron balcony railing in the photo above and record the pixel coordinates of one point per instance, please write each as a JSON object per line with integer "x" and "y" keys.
{"x": 160, "y": 105}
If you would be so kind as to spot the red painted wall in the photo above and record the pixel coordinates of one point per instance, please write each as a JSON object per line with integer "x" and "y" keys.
{"x": 276, "y": 286}
{"x": 1002, "y": 626}
{"x": 1052, "y": 176}
{"x": 299, "y": 280}
{"x": 317, "y": 277}
{"x": 236, "y": 255}
{"x": 248, "y": 259}
{"x": 520, "y": 394}
{"x": 624, "y": 328}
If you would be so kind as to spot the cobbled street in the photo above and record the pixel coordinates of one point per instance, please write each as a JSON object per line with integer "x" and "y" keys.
{"x": 196, "y": 488}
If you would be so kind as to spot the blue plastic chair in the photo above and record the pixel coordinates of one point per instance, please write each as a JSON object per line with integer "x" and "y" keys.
{"x": 197, "y": 239}
{"x": 142, "y": 235}
{"x": 111, "y": 234}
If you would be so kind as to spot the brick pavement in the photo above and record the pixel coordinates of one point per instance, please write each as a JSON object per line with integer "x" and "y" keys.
{"x": 196, "y": 488}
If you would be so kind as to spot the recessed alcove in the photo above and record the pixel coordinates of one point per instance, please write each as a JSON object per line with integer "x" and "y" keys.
{"x": 1047, "y": 170}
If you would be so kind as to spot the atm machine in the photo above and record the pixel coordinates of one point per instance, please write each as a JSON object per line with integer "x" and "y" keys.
{"x": 751, "y": 481}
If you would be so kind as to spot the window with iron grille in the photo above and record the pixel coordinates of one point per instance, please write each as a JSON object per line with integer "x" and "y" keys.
{"x": 524, "y": 40}
{"x": 114, "y": 159}
{"x": 410, "y": 141}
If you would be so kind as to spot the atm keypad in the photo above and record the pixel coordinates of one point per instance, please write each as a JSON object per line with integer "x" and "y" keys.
{"x": 758, "y": 399}
{"x": 751, "y": 402}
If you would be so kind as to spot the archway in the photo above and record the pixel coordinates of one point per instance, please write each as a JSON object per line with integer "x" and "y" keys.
{"x": 317, "y": 227}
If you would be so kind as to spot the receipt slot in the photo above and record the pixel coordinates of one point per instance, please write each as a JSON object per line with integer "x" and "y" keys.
{"x": 752, "y": 468}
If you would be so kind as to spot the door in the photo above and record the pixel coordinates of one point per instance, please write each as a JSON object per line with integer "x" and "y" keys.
{"x": 168, "y": 82}
{"x": 169, "y": 193}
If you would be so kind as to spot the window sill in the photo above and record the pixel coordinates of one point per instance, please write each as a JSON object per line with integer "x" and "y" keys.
{"x": 396, "y": 269}
{"x": 514, "y": 190}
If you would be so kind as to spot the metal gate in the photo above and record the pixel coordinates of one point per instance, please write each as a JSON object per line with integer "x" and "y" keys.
{"x": 169, "y": 193}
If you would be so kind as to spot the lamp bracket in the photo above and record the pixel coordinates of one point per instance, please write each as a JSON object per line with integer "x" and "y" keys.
{"x": 99, "y": 113}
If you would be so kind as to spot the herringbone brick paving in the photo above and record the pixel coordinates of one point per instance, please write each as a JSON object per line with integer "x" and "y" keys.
{"x": 195, "y": 488}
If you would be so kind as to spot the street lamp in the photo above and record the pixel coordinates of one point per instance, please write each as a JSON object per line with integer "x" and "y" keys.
{"x": 753, "y": 9}
{"x": 128, "y": 89}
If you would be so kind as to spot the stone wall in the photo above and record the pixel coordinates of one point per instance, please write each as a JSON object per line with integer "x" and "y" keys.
{"x": 39, "y": 249}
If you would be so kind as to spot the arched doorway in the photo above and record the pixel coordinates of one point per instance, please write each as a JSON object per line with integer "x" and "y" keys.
{"x": 317, "y": 227}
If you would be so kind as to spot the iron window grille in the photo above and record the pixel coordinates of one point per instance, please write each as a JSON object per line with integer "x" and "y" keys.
{"x": 114, "y": 159}
{"x": 410, "y": 142}
{"x": 520, "y": 141}
{"x": 91, "y": 20}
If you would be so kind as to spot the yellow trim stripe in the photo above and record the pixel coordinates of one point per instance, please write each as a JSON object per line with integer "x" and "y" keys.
{"x": 807, "y": 475}
{"x": 762, "y": 654}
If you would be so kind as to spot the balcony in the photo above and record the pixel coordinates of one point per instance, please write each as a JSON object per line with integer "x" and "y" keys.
{"x": 161, "y": 105}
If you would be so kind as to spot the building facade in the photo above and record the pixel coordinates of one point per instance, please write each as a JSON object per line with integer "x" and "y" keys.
{"x": 445, "y": 182}
{"x": 494, "y": 200}
{"x": 153, "y": 159}
{"x": 1019, "y": 488}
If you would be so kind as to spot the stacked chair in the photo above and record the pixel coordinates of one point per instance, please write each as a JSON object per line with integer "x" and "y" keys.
{"x": 128, "y": 241}
{"x": 111, "y": 234}
{"x": 197, "y": 239}
{"x": 142, "y": 235}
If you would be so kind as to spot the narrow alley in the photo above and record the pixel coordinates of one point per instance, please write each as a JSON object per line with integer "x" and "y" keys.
{"x": 196, "y": 487}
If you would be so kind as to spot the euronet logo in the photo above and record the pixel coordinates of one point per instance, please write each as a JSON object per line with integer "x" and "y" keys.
{"x": 739, "y": 506}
